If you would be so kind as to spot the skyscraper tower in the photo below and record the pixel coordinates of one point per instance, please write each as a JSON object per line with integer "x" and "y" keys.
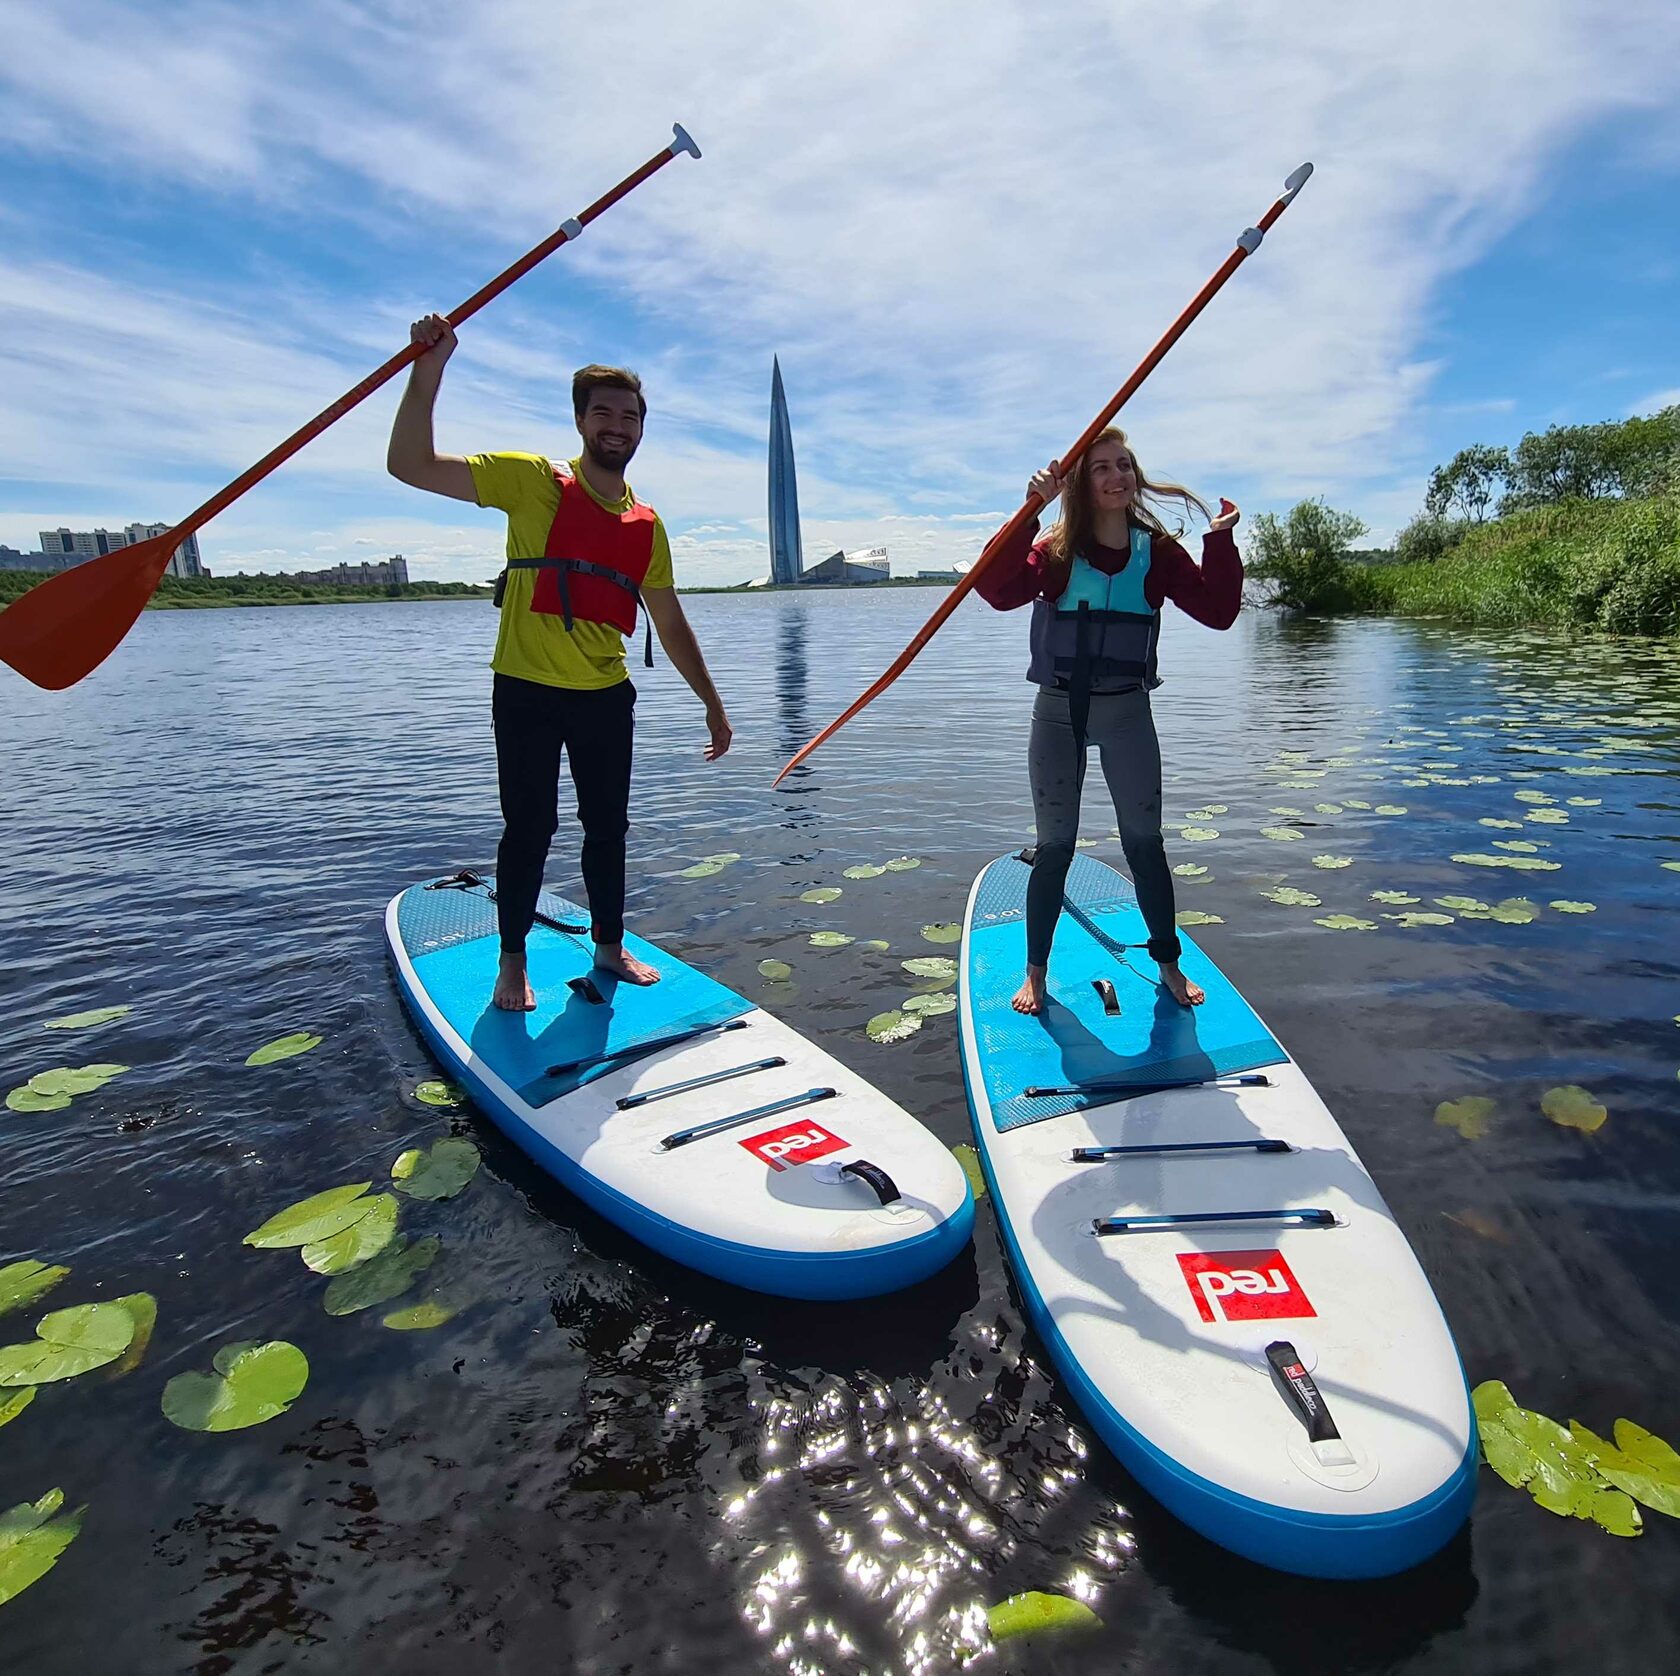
{"x": 787, "y": 557}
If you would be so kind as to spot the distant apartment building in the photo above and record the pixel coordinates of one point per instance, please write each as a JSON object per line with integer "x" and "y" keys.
{"x": 72, "y": 547}
{"x": 381, "y": 573}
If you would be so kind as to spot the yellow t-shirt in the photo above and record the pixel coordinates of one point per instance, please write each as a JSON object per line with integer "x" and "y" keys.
{"x": 531, "y": 644}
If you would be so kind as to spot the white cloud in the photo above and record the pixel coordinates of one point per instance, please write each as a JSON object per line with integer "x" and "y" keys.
{"x": 959, "y": 228}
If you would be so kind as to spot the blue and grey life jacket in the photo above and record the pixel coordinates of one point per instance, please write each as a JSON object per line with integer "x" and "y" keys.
{"x": 1100, "y": 635}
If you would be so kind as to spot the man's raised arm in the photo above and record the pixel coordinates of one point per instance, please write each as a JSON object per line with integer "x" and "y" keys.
{"x": 412, "y": 457}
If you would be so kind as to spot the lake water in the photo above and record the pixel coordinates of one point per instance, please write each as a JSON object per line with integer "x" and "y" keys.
{"x": 604, "y": 1463}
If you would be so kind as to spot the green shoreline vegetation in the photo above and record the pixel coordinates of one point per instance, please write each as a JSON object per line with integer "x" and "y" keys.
{"x": 1586, "y": 537}
{"x": 199, "y": 593}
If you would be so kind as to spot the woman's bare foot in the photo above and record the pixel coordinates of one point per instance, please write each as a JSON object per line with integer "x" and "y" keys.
{"x": 1185, "y": 993}
{"x": 1029, "y": 998}
{"x": 513, "y": 992}
{"x": 610, "y": 957}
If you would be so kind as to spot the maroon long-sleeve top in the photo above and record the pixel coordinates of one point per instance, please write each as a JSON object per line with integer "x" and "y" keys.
{"x": 1211, "y": 591}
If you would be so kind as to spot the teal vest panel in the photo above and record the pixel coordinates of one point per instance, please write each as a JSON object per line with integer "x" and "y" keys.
{"x": 1122, "y": 592}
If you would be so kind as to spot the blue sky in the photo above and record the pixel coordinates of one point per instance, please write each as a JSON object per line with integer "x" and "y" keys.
{"x": 959, "y": 227}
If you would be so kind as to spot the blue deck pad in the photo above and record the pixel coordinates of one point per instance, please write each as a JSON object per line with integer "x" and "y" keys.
{"x": 451, "y": 937}
{"x": 1075, "y": 1041}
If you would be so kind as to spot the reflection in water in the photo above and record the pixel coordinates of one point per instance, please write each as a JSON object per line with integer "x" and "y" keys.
{"x": 605, "y": 1463}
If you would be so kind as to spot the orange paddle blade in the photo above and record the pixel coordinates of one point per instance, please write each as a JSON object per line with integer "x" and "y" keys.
{"x": 68, "y": 625}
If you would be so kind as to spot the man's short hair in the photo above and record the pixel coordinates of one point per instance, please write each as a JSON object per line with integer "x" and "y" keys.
{"x": 586, "y": 380}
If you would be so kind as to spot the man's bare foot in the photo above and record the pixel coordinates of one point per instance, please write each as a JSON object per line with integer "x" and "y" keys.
{"x": 610, "y": 957}
{"x": 1029, "y": 998}
{"x": 513, "y": 992}
{"x": 1185, "y": 993}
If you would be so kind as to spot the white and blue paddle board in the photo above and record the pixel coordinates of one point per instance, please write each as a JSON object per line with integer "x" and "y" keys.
{"x": 1213, "y": 1271}
{"x": 680, "y": 1111}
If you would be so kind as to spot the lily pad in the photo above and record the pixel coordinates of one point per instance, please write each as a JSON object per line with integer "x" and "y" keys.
{"x": 142, "y": 1311}
{"x": 1190, "y": 870}
{"x": 252, "y": 1383}
{"x": 1394, "y": 898}
{"x": 31, "y": 1539}
{"x": 970, "y": 1161}
{"x": 931, "y": 1006}
{"x": 875, "y": 945}
{"x": 438, "y": 1174}
{"x": 1327, "y": 808}
{"x": 1198, "y": 834}
{"x": 318, "y": 1217}
{"x": 1549, "y": 817}
{"x": 1532, "y": 797}
{"x": 68, "y": 1343}
{"x": 1463, "y": 904}
{"x": 1574, "y": 907}
{"x": 1024, "y": 1613}
{"x": 822, "y": 894}
{"x": 1506, "y": 826}
{"x": 1289, "y": 897}
{"x": 1517, "y": 846}
{"x": 1522, "y": 863}
{"x": 1469, "y": 1116}
{"x": 1357, "y": 803}
{"x": 1346, "y": 922}
{"x": 1332, "y": 861}
{"x": 71, "y": 1080}
{"x": 284, "y": 1047}
{"x": 930, "y": 966}
{"x": 724, "y": 858}
{"x": 947, "y": 931}
{"x": 392, "y": 1272}
{"x": 863, "y": 870}
{"x": 1572, "y": 1107}
{"x": 1412, "y": 921}
{"x": 776, "y": 971}
{"x": 1584, "y": 802}
{"x": 1188, "y": 917}
{"x": 450, "y": 1096}
{"x": 15, "y": 1404}
{"x": 363, "y": 1239}
{"x": 418, "y": 1318}
{"x": 21, "y": 1283}
{"x": 1390, "y": 809}
{"x": 902, "y": 863}
{"x": 25, "y": 1099}
{"x": 1284, "y": 809}
{"x": 87, "y": 1020}
{"x": 1638, "y": 1464}
{"x": 1515, "y": 910}
{"x": 829, "y": 939}
{"x": 1283, "y": 834}
{"x": 701, "y": 870}
{"x": 893, "y": 1026}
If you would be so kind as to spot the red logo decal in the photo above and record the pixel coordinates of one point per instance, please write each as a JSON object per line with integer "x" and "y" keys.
{"x": 1243, "y": 1286}
{"x": 793, "y": 1143}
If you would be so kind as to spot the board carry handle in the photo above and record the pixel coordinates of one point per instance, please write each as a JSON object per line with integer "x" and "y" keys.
{"x": 1100, "y": 1154}
{"x": 1042, "y": 1092}
{"x": 1316, "y": 1218}
{"x": 686, "y": 1137}
{"x": 1303, "y": 1395}
{"x": 872, "y": 1175}
{"x": 641, "y": 1050}
{"x": 629, "y": 1102}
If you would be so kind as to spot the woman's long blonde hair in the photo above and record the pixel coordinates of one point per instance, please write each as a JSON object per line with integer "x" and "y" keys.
{"x": 1072, "y": 533}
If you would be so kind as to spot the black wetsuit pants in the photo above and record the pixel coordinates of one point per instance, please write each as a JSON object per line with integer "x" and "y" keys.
{"x": 533, "y": 725}
{"x": 1122, "y": 728}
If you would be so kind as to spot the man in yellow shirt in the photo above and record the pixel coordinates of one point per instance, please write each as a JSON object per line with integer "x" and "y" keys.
{"x": 582, "y": 553}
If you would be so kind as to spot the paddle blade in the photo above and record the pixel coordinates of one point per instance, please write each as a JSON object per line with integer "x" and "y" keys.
{"x": 65, "y": 627}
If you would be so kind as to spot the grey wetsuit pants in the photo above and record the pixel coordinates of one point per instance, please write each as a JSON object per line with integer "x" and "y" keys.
{"x": 1122, "y": 728}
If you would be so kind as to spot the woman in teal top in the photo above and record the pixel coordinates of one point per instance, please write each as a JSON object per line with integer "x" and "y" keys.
{"x": 1096, "y": 584}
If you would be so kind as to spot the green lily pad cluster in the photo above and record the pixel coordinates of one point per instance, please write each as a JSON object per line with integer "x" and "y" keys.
{"x": 32, "y": 1536}
{"x": 21, "y": 1283}
{"x": 74, "y": 1341}
{"x": 351, "y": 1234}
{"x": 51, "y": 1091}
{"x": 447, "y": 1096}
{"x": 87, "y": 1020}
{"x": 1572, "y": 1471}
{"x": 1187, "y": 917}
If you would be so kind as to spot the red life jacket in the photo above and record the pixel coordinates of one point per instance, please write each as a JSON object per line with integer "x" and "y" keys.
{"x": 595, "y": 562}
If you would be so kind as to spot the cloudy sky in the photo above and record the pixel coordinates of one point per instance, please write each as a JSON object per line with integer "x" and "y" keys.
{"x": 959, "y": 226}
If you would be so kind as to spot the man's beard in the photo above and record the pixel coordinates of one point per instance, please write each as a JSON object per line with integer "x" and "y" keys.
{"x": 617, "y": 460}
